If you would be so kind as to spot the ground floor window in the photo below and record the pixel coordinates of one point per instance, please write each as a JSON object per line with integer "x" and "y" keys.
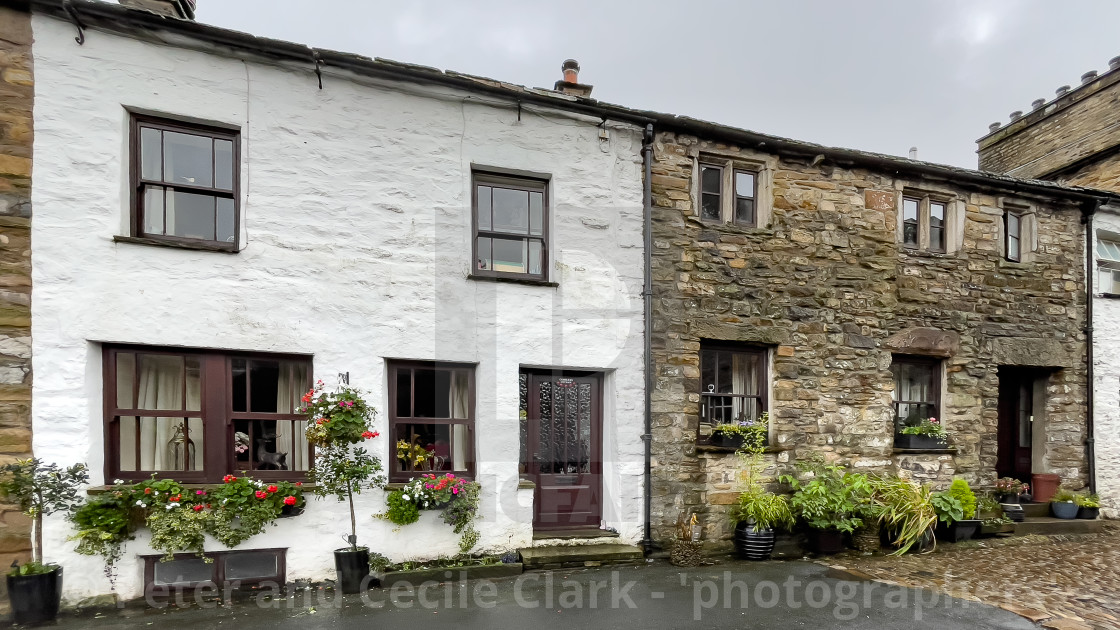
{"x": 431, "y": 418}
{"x": 917, "y": 390}
{"x": 198, "y": 415}
{"x": 733, "y": 386}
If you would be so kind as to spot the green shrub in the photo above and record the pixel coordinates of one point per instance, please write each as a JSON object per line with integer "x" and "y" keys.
{"x": 1090, "y": 500}
{"x": 765, "y": 509}
{"x": 1063, "y": 496}
{"x": 828, "y": 500}
{"x": 964, "y": 495}
{"x": 947, "y": 507}
{"x": 402, "y": 511}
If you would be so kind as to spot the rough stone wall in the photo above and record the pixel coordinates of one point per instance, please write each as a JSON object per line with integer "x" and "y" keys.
{"x": 1073, "y": 127}
{"x": 16, "y": 96}
{"x": 827, "y": 288}
{"x": 1103, "y": 174}
{"x": 1106, "y": 387}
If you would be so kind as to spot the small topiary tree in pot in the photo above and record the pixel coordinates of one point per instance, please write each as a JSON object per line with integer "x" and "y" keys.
{"x": 337, "y": 422}
{"x": 39, "y": 489}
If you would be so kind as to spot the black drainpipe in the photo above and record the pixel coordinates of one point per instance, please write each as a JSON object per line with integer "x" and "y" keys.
{"x": 1090, "y": 448}
{"x": 647, "y": 301}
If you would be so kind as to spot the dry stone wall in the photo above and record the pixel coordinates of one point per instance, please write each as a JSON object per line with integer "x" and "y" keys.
{"x": 829, "y": 291}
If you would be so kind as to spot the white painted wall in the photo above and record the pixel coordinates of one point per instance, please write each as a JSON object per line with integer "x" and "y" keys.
{"x": 356, "y": 227}
{"x": 1106, "y": 381}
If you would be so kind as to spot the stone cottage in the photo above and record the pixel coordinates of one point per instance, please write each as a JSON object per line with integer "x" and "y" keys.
{"x": 850, "y": 294}
{"x": 1073, "y": 138}
{"x": 227, "y": 218}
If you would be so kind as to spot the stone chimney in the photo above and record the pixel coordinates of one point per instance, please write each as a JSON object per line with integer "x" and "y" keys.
{"x": 181, "y": 9}
{"x": 570, "y": 83}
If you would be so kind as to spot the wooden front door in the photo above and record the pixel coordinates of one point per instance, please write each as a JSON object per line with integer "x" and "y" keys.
{"x": 564, "y": 449}
{"x": 1016, "y": 423}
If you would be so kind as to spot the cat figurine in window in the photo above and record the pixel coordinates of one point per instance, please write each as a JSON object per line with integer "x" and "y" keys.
{"x": 267, "y": 460}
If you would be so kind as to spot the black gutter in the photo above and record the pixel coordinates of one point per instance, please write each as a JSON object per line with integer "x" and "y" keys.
{"x": 1090, "y": 441}
{"x": 145, "y": 25}
{"x": 647, "y": 301}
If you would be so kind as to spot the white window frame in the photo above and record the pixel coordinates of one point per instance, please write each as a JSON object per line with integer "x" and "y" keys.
{"x": 1108, "y": 264}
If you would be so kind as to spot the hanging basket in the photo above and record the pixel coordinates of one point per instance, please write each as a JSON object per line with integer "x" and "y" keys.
{"x": 686, "y": 553}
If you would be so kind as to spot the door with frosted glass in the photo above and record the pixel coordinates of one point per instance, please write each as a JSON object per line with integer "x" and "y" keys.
{"x": 564, "y": 432}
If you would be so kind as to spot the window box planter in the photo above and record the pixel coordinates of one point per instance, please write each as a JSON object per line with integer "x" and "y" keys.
{"x": 958, "y": 531}
{"x": 918, "y": 442}
{"x": 416, "y": 577}
{"x": 35, "y": 598}
{"x": 289, "y": 511}
{"x": 726, "y": 440}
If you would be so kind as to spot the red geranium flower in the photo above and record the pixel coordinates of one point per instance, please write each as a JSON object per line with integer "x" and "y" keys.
{"x": 261, "y": 494}
{"x": 147, "y": 490}
{"x": 369, "y": 435}
{"x": 299, "y": 484}
{"x": 198, "y": 508}
{"x": 289, "y": 500}
{"x": 273, "y": 488}
{"x": 174, "y": 499}
{"x": 229, "y": 479}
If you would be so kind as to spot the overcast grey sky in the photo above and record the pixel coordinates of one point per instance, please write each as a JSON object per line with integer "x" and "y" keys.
{"x": 878, "y": 75}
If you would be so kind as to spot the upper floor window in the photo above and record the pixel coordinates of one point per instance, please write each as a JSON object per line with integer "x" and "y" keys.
{"x": 196, "y": 415}
{"x": 923, "y": 223}
{"x": 1108, "y": 266}
{"x": 431, "y": 418}
{"x": 733, "y": 386}
{"x": 184, "y": 183}
{"x": 1013, "y": 234}
{"x": 728, "y": 194}
{"x": 510, "y": 227}
{"x": 917, "y": 390}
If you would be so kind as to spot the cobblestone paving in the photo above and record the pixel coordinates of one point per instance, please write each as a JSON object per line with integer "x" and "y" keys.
{"x": 1066, "y": 583}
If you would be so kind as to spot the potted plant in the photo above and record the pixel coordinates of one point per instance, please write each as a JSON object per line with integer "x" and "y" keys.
{"x": 39, "y": 489}
{"x": 826, "y": 502}
{"x": 956, "y": 516}
{"x": 735, "y": 434}
{"x": 1009, "y": 489}
{"x": 868, "y": 536}
{"x": 1063, "y": 504}
{"x": 1088, "y": 505}
{"x": 993, "y": 521}
{"x": 757, "y": 512}
{"x": 337, "y": 421}
{"x": 924, "y": 435}
{"x": 687, "y": 547}
{"x": 907, "y": 514}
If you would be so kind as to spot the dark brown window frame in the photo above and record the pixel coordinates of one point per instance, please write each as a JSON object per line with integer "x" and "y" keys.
{"x": 137, "y": 183}
{"x": 759, "y": 353}
{"x": 935, "y": 369}
{"x": 396, "y": 475}
{"x": 215, "y": 411}
{"x": 512, "y": 182}
{"x": 1007, "y": 237}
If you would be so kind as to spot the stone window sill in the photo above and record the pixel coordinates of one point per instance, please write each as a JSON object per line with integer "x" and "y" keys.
{"x": 526, "y": 281}
{"x": 727, "y": 450}
{"x": 155, "y": 242}
{"x": 1011, "y": 264}
{"x": 952, "y": 450}
{"x": 921, "y": 253}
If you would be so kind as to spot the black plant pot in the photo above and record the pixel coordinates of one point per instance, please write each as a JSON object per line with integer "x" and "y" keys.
{"x": 727, "y": 440}
{"x": 1088, "y": 513}
{"x": 1014, "y": 511}
{"x": 1064, "y": 509}
{"x": 919, "y": 442}
{"x": 958, "y": 531}
{"x": 289, "y": 511}
{"x": 752, "y": 543}
{"x": 35, "y": 598}
{"x": 1006, "y": 497}
{"x": 826, "y": 541}
{"x": 352, "y": 568}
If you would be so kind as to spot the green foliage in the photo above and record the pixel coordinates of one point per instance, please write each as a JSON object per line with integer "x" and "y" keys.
{"x": 948, "y": 508}
{"x": 906, "y": 510}
{"x": 1000, "y": 520}
{"x": 340, "y": 417}
{"x": 41, "y": 489}
{"x": 402, "y": 510}
{"x": 104, "y": 523}
{"x": 1063, "y": 496}
{"x": 964, "y": 495}
{"x": 765, "y": 509}
{"x": 828, "y": 500}
{"x": 32, "y": 568}
{"x": 468, "y": 540}
{"x": 988, "y": 504}
{"x": 178, "y": 528}
{"x": 930, "y": 427}
{"x": 1089, "y": 500}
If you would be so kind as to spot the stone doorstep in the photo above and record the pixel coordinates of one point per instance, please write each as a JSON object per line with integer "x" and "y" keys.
{"x": 588, "y": 533}
{"x": 564, "y": 557}
{"x": 1049, "y": 526}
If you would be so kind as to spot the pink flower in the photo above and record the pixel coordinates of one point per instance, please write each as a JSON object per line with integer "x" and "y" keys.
{"x": 455, "y": 490}
{"x": 450, "y": 476}
{"x": 200, "y": 492}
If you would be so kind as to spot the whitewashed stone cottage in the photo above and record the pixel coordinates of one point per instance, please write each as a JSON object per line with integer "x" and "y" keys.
{"x": 221, "y": 219}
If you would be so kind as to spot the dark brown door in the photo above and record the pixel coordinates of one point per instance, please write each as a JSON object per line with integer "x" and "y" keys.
{"x": 565, "y": 456}
{"x": 1016, "y": 423}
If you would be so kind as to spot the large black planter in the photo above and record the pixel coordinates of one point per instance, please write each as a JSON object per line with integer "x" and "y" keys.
{"x": 826, "y": 541}
{"x": 1064, "y": 509}
{"x": 35, "y": 598}
{"x": 752, "y": 543}
{"x": 958, "y": 531}
{"x": 352, "y": 568}
{"x": 919, "y": 442}
{"x": 727, "y": 440}
{"x": 1088, "y": 513}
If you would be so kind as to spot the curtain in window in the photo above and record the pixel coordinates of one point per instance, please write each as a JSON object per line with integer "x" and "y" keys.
{"x": 744, "y": 380}
{"x": 293, "y": 379}
{"x": 165, "y": 443}
{"x": 459, "y": 401}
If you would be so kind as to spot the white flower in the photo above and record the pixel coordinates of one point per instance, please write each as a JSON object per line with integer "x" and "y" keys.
{"x": 140, "y": 504}
{"x": 155, "y": 492}
{"x": 118, "y": 481}
{"x": 170, "y": 505}
{"x": 405, "y": 497}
